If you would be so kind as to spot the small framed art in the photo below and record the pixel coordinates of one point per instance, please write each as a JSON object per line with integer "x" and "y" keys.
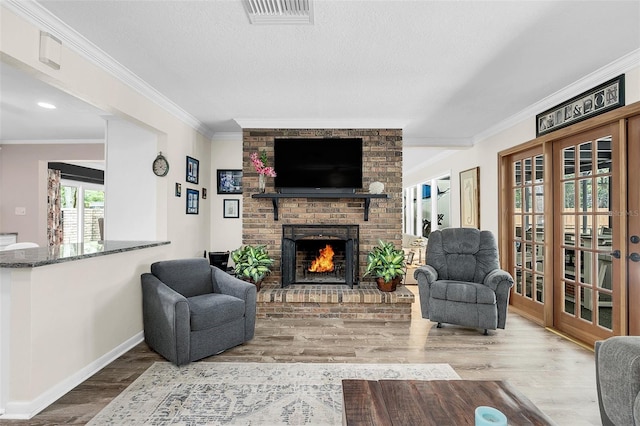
{"x": 192, "y": 170}
{"x": 229, "y": 181}
{"x": 231, "y": 209}
{"x": 178, "y": 189}
{"x": 193, "y": 201}
{"x": 470, "y": 198}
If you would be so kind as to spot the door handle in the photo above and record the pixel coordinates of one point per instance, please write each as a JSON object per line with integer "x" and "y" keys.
{"x": 615, "y": 253}
{"x": 635, "y": 239}
{"x": 634, "y": 257}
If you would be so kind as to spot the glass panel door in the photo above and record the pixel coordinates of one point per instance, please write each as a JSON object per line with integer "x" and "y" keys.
{"x": 586, "y": 233}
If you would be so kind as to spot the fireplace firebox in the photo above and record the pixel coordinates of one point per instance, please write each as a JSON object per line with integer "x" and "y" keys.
{"x": 320, "y": 254}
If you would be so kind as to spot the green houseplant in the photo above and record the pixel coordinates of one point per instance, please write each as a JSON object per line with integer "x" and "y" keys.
{"x": 386, "y": 263}
{"x": 252, "y": 263}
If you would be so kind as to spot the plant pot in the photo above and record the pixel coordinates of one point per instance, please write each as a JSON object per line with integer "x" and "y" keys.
{"x": 388, "y": 286}
{"x": 257, "y": 284}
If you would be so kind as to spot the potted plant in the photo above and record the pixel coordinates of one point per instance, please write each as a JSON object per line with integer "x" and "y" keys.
{"x": 386, "y": 263}
{"x": 252, "y": 263}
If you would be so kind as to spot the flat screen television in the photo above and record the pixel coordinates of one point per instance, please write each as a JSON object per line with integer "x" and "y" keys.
{"x": 313, "y": 164}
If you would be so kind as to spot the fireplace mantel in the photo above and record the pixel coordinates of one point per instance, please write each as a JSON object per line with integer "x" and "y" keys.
{"x": 277, "y": 196}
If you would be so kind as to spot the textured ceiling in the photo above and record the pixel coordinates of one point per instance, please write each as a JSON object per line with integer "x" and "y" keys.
{"x": 444, "y": 71}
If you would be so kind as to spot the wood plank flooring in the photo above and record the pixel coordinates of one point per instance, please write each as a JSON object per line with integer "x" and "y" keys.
{"x": 554, "y": 373}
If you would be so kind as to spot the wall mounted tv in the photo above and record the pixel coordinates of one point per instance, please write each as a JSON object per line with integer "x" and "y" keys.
{"x": 318, "y": 165}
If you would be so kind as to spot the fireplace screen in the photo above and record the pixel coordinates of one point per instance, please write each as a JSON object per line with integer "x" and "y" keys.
{"x": 314, "y": 254}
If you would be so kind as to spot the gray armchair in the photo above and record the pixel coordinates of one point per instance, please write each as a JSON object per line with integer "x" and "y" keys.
{"x": 192, "y": 310}
{"x": 618, "y": 380}
{"x": 462, "y": 282}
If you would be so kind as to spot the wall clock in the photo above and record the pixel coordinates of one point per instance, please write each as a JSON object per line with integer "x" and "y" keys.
{"x": 160, "y": 165}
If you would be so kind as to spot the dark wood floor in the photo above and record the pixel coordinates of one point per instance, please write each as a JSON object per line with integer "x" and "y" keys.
{"x": 556, "y": 374}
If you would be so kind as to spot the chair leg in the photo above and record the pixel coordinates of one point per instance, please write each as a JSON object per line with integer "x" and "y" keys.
{"x": 486, "y": 332}
{"x": 439, "y": 325}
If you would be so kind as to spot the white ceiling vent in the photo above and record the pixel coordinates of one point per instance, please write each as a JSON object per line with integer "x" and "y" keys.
{"x": 277, "y": 12}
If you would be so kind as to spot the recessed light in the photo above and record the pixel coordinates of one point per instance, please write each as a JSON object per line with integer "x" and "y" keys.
{"x": 46, "y": 105}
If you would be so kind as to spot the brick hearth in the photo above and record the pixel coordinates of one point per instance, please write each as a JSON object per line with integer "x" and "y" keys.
{"x": 334, "y": 301}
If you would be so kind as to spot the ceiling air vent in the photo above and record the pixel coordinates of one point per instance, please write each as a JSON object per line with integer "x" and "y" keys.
{"x": 267, "y": 12}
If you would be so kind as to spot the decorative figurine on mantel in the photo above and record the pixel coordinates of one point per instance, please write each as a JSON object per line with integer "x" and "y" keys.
{"x": 260, "y": 164}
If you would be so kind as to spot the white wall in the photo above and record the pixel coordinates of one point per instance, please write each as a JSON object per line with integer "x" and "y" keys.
{"x": 226, "y": 153}
{"x": 129, "y": 187}
{"x": 484, "y": 154}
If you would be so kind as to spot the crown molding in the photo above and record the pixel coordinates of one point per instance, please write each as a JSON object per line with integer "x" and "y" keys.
{"x": 324, "y": 123}
{"x": 227, "y": 137}
{"x": 39, "y": 16}
{"x": 435, "y": 142}
{"x": 609, "y": 71}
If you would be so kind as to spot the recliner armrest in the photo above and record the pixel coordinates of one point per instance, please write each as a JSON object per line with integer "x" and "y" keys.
{"x": 499, "y": 280}
{"x": 232, "y": 286}
{"x": 428, "y": 272}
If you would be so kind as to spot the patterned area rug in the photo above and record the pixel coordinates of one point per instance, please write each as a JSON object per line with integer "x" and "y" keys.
{"x": 208, "y": 393}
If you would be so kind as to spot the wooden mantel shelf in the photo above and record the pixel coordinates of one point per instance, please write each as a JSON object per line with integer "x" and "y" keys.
{"x": 275, "y": 197}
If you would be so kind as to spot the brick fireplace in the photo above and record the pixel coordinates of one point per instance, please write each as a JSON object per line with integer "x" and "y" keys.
{"x": 382, "y": 161}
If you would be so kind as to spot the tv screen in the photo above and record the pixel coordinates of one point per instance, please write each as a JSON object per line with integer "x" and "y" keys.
{"x": 318, "y": 163}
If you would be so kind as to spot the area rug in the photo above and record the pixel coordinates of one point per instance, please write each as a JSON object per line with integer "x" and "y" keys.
{"x": 208, "y": 393}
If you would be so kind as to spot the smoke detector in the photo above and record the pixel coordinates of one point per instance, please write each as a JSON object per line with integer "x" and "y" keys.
{"x": 277, "y": 12}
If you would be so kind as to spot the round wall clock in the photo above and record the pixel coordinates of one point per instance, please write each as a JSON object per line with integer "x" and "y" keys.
{"x": 160, "y": 165}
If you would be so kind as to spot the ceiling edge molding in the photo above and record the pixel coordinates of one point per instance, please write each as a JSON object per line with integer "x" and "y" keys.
{"x": 39, "y": 16}
{"x": 51, "y": 141}
{"x": 311, "y": 123}
{"x": 609, "y": 71}
{"x": 434, "y": 142}
{"x": 227, "y": 136}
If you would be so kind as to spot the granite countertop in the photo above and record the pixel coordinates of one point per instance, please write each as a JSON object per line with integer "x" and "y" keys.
{"x": 40, "y": 256}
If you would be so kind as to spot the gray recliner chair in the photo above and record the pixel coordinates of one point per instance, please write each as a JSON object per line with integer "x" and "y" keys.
{"x": 618, "y": 380}
{"x": 192, "y": 310}
{"x": 462, "y": 282}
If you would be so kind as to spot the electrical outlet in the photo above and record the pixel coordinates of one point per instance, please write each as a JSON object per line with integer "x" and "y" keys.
{"x": 21, "y": 211}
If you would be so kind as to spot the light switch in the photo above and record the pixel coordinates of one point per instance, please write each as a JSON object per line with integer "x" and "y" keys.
{"x": 21, "y": 211}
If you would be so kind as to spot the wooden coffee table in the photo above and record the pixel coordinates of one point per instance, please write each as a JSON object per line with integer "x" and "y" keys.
{"x": 433, "y": 402}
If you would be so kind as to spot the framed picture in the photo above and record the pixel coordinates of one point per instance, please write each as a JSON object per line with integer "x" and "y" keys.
{"x": 178, "y": 189}
{"x": 470, "y": 198}
{"x": 229, "y": 181}
{"x": 192, "y": 170}
{"x": 603, "y": 98}
{"x": 204, "y": 193}
{"x": 231, "y": 209}
{"x": 193, "y": 201}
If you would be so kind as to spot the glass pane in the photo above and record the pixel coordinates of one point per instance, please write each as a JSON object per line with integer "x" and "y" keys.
{"x": 586, "y": 262}
{"x": 569, "y": 263}
{"x": 604, "y": 311}
{"x": 604, "y": 271}
{"x": 568, "y": 162}
{"x": 527, "y": 170}
{"x": 569, "y": 298}
{"x": 569, "y": 195}
{"x": 527, "y": 256}
{"x": 528, "y": 284}
{"x": 539, "y": 258}
{"x": 517, "y": 223}
{"x": 527, "y": 226}
{"x": 604, "y": 193}
{"x": 604, "y": 155}
{"x": 586, "y": 295}
{"x": 604, "y": 232}
{"x": 517, "y": 200}
{"x": 586, "y": 230}
{"x": 518, "y": 279}
{"x": 539, "y": 220}
{"x": 528, "y": 200}
{"x": 569, "y": 230}
{"x": 585, "y": 159}
{"x": 517, "y": 251}
{"x": 539, "y": 199}
{"x": 539, "y": 172}
{"x": 585, "y": 199}
{"x": 517, "y": 173}
{"x": 539, "y": 288}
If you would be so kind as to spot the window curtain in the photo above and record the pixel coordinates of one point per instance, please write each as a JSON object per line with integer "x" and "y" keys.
{"x": 54, "y": 210}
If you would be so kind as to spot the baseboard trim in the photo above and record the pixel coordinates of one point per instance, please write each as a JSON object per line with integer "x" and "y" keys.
{"x": 24, "y": 410}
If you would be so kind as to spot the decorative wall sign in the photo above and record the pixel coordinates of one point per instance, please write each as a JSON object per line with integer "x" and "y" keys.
{"x": 193, "y": 201}
{"x": 605, "y": 97}
{"x": 231, "y": 208}
{"x": 192, "y": 170}
{"x": 229, "y": 181}
{"x": 470, "y": 198}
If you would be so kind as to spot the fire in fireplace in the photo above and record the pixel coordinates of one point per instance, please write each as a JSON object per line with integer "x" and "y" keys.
{"x": 319, "y": 254}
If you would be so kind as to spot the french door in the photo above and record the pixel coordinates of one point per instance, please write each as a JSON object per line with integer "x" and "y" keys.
{"x": 589, "y": 207}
